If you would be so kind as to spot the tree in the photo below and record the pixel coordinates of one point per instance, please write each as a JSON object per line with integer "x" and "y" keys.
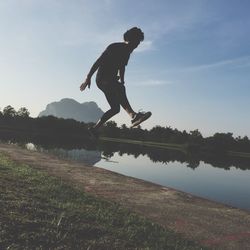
{"x": 221, "y": 141}
{"x": 243, "y": 144}
{"x": 9, "y": 111}
{"x": 124, "y": 127}
{"x": 196, "y": 136}
{"x": 196, "y": 133}
{"x": 124, "y": 131}
{"x": 23, "y": 112}
{"x": 110, "y": 129}
{"x": 111, "y": 124}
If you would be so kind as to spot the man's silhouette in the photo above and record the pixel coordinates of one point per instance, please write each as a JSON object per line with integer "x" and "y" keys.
{"x": 110, "y": 78}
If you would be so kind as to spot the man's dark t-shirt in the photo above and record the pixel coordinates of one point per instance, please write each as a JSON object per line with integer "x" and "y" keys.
{"x": 112, "y": 59}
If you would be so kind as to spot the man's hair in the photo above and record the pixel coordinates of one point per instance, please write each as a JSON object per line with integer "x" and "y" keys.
{"x": 134, "y": 34}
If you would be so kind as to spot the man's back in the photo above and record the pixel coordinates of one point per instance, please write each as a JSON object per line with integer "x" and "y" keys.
{"x": 114, "y": 57}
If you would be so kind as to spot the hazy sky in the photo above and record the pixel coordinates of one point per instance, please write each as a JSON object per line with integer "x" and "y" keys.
{"x": 192, "y": 71}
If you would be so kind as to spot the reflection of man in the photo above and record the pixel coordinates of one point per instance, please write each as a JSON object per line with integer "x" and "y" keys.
{"x": 110, "y": 78}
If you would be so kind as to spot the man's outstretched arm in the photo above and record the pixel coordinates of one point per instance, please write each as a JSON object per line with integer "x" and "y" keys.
{"x": 93, "y": 69}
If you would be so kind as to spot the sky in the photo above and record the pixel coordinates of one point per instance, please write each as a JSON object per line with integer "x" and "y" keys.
{"x": 192, "y": 71}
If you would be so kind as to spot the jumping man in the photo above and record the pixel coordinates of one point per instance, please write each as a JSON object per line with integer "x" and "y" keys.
{"x": 110, "y": 78}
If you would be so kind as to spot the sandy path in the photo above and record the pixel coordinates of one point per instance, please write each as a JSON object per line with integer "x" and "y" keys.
{"x": 201, "y": 220}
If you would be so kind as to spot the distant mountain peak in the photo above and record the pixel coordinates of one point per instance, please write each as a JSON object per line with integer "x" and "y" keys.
{"x": 69, "y": 108}
{"x": 68, "y": 100}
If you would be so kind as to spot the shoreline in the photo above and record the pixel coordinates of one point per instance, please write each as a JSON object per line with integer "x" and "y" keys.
{"x": 172, "y": 146}
{"x": 206, "y": 222}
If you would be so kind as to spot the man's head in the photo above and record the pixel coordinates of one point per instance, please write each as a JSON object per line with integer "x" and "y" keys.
{"x": 133, "y": 37}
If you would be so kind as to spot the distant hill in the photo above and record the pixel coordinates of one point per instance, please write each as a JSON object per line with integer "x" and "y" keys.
{"x": 69, "y": 108}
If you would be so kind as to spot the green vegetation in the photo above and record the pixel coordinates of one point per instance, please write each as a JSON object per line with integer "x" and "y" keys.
{"x": 43, "y": 212}
{"x": 172, "y": 146}
{"x": 181, "y": 147}
{"x": 16, "y": 125}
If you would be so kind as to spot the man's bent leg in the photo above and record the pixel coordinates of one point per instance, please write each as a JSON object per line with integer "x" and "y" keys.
{"x": 106, "y": 116}
{"x": 113, "y": 100}
{"x": 124, "y": 101}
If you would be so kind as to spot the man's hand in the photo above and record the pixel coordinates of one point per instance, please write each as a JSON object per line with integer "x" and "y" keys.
{"x": 85, "y": 84}
{"x": 119, "y": 80}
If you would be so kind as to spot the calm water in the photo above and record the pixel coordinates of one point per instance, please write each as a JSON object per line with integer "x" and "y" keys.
{"x": 224, "y": 183}
{"x": 231, "y": 187}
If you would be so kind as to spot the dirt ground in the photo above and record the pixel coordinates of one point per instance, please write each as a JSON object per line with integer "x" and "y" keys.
{"x": 209, "y": 223}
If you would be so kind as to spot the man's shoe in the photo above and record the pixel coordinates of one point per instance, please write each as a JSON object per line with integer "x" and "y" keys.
{"x": 139, "y": 118}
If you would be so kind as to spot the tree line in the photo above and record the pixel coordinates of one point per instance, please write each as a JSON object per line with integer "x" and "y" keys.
{"x": 19, "y": 123}
{"x": 9, "y": 111}
{"x": 192, "y": 140}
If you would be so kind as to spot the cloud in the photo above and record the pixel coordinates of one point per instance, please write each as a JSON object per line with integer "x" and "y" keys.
{"x": 105, "y": 23}
{"x": 153, "y": 82}
{"x": 173, "y": 17}
{"x": 235, "y": 63}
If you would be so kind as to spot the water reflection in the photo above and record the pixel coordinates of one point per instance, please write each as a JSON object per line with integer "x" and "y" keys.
{"x": 107, "y": 149}
{"x": 226, "y": 186}
{"x": 218, "y": 177}
{"x": 192, "y": 160}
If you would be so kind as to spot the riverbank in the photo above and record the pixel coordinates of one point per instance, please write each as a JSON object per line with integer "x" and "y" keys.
{"x": 40, "y": 211}
{"x": 198, "y": 220}
{"x": 172, "y": 146}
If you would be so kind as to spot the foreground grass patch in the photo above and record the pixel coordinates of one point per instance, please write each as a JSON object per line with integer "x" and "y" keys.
{"x": 42, "y": 212}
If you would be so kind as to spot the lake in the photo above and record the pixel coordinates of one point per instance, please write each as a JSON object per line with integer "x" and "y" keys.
{"x": 231, "y": 186}
{"x": 219, "y": 179}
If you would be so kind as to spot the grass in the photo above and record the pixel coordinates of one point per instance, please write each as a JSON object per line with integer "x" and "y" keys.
{"x": 42, "y": 212}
